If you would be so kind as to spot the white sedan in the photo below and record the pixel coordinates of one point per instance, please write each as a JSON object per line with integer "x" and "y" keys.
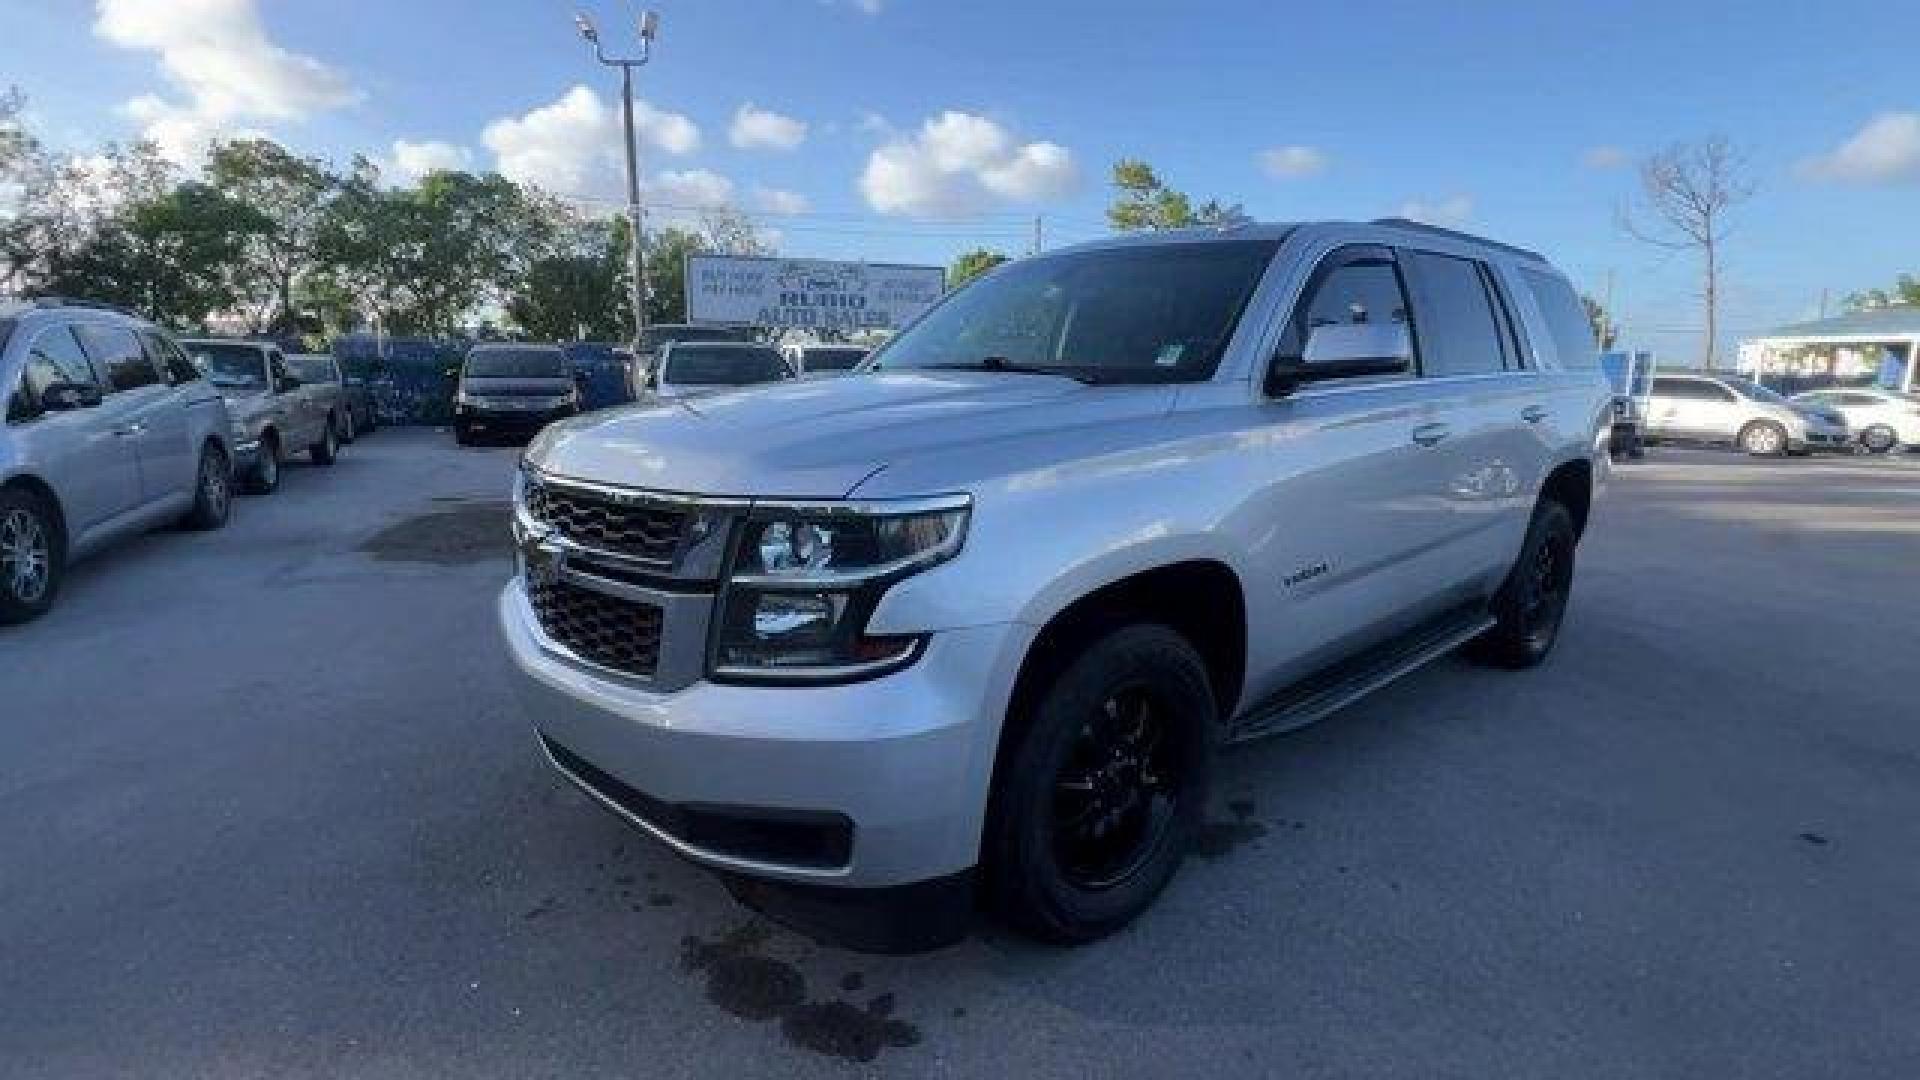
{"x": 1881, "y": 419}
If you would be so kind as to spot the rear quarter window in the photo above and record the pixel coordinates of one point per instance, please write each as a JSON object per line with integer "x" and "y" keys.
{"x": 1567, "y": 325}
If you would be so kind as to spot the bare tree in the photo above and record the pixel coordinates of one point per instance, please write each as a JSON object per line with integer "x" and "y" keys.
{"x": 1688, "y": 190}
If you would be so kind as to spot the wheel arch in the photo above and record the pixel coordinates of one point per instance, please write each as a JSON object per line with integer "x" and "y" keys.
{"x": 43, "y": 491}
{"x": 1571, "y": 485}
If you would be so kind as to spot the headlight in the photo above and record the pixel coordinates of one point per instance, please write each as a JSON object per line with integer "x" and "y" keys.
{"x": 806, "y": 578}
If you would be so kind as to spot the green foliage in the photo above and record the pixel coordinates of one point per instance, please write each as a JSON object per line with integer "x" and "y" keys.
{"x": 1906, "y": 290}
{"x": 1604, "y": 329}
{"x": 1143, "y": 201}
{"x": 971, "y": 265}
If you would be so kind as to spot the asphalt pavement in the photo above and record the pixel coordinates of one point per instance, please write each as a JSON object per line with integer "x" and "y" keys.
{"x": 269, "y": 810}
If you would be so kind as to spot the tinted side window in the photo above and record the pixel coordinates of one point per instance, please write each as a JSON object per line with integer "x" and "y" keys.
{"x": 1459, "y": 329}
{"x": 1354, "y": 286}
{"x": 1567, "y": 324}
{"x": 116, "y": 352}
{"x": 1691, "y": 390}
{"x": 167, "y": 357}
{"x": 54, "y": 357}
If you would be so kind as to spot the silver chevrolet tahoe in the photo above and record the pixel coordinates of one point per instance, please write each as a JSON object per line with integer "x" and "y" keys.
{"x": 970, "y": 628}
{"x": 109, "y": 431}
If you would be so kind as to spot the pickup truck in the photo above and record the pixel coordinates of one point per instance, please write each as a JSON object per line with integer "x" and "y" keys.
{"x": 275, "y": 413}
{"x": 970, "y": 630}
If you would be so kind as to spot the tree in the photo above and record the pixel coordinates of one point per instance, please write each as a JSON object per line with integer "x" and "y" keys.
{"x": 666, "y": 258}
{"x": 579, "y": 290}
{"x": 727, "y": 231}
{"x": 292, "y": 194}
{"x": 167, "y": 254}
{"x": 1144, "y": 201}
{"x": 50, "y": 205}
{"x": 1906, "y": 290}
{"x": 971, "y": 265}
{"x": 1605, "y": 331}
{"x": 1688, "y": 191}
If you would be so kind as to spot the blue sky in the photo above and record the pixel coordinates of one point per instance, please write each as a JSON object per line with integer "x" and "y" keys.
{"x": 906, "y": 130}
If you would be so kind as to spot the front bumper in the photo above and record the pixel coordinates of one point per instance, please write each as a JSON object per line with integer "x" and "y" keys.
{"x": 905, "y": 761}
{"x": 487, "y": 421}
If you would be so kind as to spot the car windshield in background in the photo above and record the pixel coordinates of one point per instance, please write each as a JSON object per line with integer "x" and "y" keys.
{"x": 657, "y": 336}
{"x": 1754, "y": 390}
{"x": 516, "y": 364}
{"x": 833, "y": 359}
{"x": 1153, "y": 313}
{"x": 311, "y": 369}
{"x": 235, "y": 365}
{"x": 691, "y": 365}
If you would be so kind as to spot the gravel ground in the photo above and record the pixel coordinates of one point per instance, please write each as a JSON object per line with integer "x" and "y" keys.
{"x": 271, "y": 812}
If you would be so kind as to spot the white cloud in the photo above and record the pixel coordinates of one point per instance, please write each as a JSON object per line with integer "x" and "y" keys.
{"x": 218, "y": 55}
{"x": 755, "y": 128}
{"x": 1293, "y": 162}
{"x": 1885, "y": 151}
{"x": 410, "y": 161}
{"x": 1604, "y": 157}
{"x": 692, "y": 189}
{"x": 777, "y": 201}
{"x": 1450, "y": 212}
{"x": 574, "y": 145}
{"x": 959, "y": 163}
{"x": 872, "y": 123}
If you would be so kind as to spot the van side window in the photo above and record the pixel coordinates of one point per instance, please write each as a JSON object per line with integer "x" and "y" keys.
{"x": 1463, "y": 335}
{"x": 117, "y": 354}
{"x": 54, "y": 358}
{"x": 167, "y": 357}
{"x": 1567, "y": 325}
{"x": 1354, "y": 286}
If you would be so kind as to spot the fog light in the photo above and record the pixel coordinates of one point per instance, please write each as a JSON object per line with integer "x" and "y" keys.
{"x": 786, "y": 616}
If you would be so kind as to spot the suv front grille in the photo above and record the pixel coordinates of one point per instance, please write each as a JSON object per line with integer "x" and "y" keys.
{"x": 640, "y": 530}
{"x": 620, "y": 634}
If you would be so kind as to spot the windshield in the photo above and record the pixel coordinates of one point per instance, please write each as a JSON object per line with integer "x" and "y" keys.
{"x": 691, "y": 365}
{"x": 229, "y": 364}
{"x": 657, "y": 336}
{"x": 833, "y": 359}
{"x": 516, "y": 364}
{"x": 1753, "y": 390}
{"x": 311, "y": 369}
{"x": 1155, "y": 313}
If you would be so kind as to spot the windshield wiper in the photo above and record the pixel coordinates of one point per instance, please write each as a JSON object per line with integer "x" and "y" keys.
{"x": 1001, "y": 363}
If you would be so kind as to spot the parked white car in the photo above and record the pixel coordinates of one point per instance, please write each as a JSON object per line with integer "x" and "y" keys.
{"x": 690, "y": 368}
{"x": 1704, "y": 406}
{"x": 1881, "y": 419}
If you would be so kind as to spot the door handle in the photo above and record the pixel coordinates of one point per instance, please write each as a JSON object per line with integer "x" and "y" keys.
{"x": 1429, "y": 434}
{"x": 1533, "y": 414}
{"x": 129, "y": 430}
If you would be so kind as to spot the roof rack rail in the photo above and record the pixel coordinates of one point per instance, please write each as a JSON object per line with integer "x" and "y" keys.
{"x": 1456, "y": 234}
{"x": 76, "y": 302}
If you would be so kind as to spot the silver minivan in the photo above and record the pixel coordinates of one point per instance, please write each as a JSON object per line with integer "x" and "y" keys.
{"x": 1710, "y": 407}
{"x": 109, "y": 431}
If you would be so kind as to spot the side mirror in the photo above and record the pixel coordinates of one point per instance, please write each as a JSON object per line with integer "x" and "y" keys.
{"x": 285, "y": 383}
{"x": 67, "y": 396}
{"x": 1344, "y": 351}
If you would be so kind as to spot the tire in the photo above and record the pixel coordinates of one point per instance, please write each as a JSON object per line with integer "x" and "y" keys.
{"x": 348, "y": 429}
{"x": 1532, "y": 602}
{"x": 327, "y": 449}
{"x": 212, "y": 493}
{"x": 265, "y": 477}
{"x": 1145, "y": 776}
{"x": 1763, "y": 438}
{"x": 1879, "y": 439}
{"x": 32, "y": 556}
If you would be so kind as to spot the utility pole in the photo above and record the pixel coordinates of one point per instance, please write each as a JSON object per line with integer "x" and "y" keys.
{"x": 636, "y": 248}
{"x": 1823, "y": 303}
{"x": 1039, "y": 234}
{"x": 1606, "y": 308}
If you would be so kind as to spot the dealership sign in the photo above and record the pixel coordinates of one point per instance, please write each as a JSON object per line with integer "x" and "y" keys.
{"x": 809, "y": 294}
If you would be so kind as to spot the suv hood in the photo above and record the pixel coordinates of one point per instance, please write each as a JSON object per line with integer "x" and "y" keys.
{"x": 820, "y": 439}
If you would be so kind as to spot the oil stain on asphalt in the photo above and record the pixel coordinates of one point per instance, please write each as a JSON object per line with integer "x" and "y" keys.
{"x": 1219, "y": 838}
{"x": 470, "y": 532}
{"x": 743, "y": 980}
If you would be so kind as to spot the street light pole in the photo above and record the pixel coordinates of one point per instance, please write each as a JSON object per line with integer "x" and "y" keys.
{"x": 636, "y": 253}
